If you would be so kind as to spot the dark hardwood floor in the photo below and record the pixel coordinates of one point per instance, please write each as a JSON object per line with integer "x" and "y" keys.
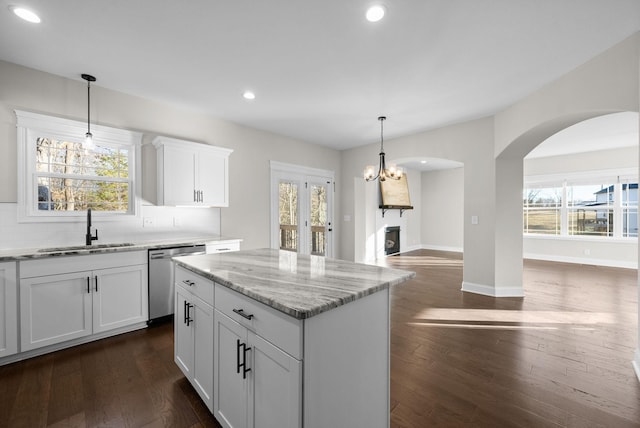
{"x": 559, "y": 357}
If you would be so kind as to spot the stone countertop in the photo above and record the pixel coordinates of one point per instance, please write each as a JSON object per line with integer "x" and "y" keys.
{"x": 97, "y": 248}
{"x": 298, "y": 285}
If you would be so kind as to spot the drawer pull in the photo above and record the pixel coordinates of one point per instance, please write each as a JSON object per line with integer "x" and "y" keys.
{"x": 189, "y": 283}
{"x": 242, "y": 314}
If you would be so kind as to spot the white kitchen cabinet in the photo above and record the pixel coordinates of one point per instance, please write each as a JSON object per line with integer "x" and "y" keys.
{"x": 54, "y": 309}
{"x": 120, "y": 297}
{"x": 223, "y": 247}
{"x": 256, "y": 384}
{"x": 191, "y": 174}
{"x": 8, "y": 309}
{"x": 68, "y": 298}
{"x": 193, "y": 332}
{"x": 230, "y": 383}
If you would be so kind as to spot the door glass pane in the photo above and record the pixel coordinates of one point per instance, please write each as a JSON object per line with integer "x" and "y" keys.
{"x": 288, "y": 213}
{"x": 318, "y": 201}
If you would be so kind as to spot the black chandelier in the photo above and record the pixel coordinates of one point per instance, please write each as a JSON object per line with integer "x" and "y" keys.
{"x": 392, "y": 172}
{"x": 88, "y": 137}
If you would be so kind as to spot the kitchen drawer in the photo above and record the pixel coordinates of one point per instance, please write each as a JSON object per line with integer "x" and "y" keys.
{"x": 223, "y": 247}
{"x": 280, "y": 329}
{"x": 201, "y": 287}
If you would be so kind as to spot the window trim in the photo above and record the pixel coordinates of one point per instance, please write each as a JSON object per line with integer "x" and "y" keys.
{"x": 32, "y": 125}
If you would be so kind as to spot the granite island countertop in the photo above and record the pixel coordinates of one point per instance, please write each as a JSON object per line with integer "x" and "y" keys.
{"x": 298, "y": 285}
{"x": 156, "y": 243}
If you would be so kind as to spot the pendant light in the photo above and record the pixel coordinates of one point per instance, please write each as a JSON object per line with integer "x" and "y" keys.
{"x": 383, "y": 172}
{"x": 88, "y": 137}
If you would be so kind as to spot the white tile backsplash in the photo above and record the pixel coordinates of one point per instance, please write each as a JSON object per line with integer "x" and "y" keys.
{"x": 153, "y": 223}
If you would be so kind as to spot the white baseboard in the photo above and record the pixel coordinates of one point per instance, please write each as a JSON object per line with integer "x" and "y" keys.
{"x": 488, "y": 290}
{"x": 441, "y": 248}
{"x": 636, "y": 363}
{"x": 583, "y": 261}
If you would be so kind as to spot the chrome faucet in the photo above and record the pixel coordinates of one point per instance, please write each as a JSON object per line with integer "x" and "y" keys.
{"x": 89, "y": 236}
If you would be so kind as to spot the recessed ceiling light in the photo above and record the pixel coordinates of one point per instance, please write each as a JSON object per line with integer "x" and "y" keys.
{"x": 25, "y": 14}
{"x": 375, "y": 13}
{"x": 423, "y": 161}
{"x": 248, "y": 95}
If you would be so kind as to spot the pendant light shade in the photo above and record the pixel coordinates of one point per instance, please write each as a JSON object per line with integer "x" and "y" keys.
{"x": 383, "y": 173}
{"x": 88, "y": 137}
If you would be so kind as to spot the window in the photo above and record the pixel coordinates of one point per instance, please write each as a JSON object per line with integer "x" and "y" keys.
{"x": 605, "y": 207}
{"x": 590, "y": 209}
{"x": 629, "y": 210}
{"x": 60, "y": 179}
{"x": 542, "y": 210}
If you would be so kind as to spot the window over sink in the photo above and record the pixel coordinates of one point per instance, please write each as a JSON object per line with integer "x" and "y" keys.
{"x": 59, "y": 178}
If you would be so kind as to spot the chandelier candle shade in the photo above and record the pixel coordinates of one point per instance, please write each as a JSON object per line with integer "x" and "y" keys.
{"x": 383, "y": 172}
{"x": 88, "y": 137}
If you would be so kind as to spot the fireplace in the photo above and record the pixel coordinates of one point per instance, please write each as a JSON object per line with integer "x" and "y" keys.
{"x": 392, "y": 240}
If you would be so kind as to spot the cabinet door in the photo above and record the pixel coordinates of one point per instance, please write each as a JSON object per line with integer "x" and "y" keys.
{"x": 212, "y": 178}
{"x": 275, "y": 391}
{"x": 54, "y": 309}
{"x": 8, "y": 309}
{"x": 179, "y": 176}
{"x": 120, "y": 297}
{"x": 230, "y": 389}
{"x": 183, "y": 333}
{"x": 202, "y": 315}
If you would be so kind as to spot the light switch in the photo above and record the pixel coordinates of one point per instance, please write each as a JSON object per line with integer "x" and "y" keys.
{"x": 474, "y": 219}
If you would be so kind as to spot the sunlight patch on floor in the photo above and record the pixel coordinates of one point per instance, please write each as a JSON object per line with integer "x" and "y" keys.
{"x": 421, "y": 261}
{"x": 481, "y": 326}
{"x": 514, "y": 316}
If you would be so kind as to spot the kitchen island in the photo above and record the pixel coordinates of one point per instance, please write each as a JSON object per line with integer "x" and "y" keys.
{"x": 271, "y": 338}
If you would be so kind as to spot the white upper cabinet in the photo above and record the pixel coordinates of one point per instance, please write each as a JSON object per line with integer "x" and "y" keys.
{"x": 192, "y": 174}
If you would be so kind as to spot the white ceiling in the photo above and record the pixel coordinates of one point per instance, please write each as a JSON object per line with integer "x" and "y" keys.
{"x": 320, "y": 71}
{"x": 601, "y": 133}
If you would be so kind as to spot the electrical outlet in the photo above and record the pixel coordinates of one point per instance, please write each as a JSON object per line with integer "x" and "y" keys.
{"x": 148, "y": 222}
{"x": 177, "y": 222}
{"x": 587, "y": 252}
{"x": 474, "y": 219}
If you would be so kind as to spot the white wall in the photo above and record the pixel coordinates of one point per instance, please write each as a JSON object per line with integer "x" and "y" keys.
{"x": 470, "y": 143}
{"x": 443, "y": 209}
{"x": 247, "y": 217}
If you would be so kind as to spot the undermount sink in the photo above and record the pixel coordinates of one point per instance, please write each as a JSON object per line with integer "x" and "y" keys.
{"x": 84, "y": 247}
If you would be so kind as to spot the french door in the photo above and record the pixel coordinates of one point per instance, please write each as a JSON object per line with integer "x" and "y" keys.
{"x": 302, "y": 209}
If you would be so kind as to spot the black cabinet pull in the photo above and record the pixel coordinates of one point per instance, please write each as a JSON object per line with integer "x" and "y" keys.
{"x": 189, "y": 319}
{"x": 242, "y": 365}
{"x": 245, "y": 370}
{"x": 242, "y": 314}
{"x": 188, "y": 282}
{"x": 88, "y": 284}
{"x": 96, "y": 278}
{"x": 238, "y": 356}
{"x": 184, "y": 312}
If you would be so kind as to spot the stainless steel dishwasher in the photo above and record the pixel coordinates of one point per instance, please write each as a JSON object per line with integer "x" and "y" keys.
{"x": 161, "y": 286}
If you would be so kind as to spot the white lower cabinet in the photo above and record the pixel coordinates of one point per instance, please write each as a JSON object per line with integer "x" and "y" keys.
{"x": 8, "y": 309}
{"x": 256, "y": 384}
{"x": 58, "y": 307}
{"x": 193, "y": 337}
